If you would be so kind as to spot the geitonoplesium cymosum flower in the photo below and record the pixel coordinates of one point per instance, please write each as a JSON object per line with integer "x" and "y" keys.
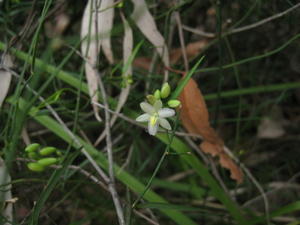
{"x": 155, "y": 115}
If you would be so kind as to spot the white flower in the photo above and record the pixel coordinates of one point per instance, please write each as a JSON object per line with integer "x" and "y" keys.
{"x": 155, "y": 115}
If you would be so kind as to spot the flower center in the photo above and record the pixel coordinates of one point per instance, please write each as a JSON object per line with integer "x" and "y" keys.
{"x": 153, "y": 119}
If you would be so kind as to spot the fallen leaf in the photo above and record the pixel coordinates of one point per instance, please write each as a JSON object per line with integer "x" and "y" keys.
{"x": 127, "y": 52}
{"x": 270, "y": 128}
{"x": 95, "y": 32}
{"x": 192, "y": 50}
{"x": 5, "y": 77}
{"x": 235, "y": 171}
{"x": 146, "y": 23}
{"x": 195, "y": 118}
{"x": 142, "y": 62}
{"x": 96, "y": 27}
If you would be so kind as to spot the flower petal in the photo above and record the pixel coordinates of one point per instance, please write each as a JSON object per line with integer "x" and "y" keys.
{"x": 152, "y": 129}
{"x": 147, "y": 108}
{"x": 166, "y": 112}
{"x": 143, "y": 118}
{"x": 164, "y": 123}
{"x": 157, "y": 105}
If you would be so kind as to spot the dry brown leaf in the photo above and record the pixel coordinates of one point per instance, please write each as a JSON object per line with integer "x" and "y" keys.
{"x": 235, "y": 171}
{"x": 192, "y": 50}
{"x": 195, "y": 118}
{"x": 142, "y": 62}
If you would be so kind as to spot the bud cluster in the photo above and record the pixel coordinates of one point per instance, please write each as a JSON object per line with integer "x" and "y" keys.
{"x": 44, "y": 157}
{"x": 163, "y": 93}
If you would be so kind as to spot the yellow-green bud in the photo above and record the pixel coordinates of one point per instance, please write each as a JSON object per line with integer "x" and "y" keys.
{"x": 32, "y": 147}
{"x": 174, "y": 103}
{"x": 120, "y": 5}
{"x": 47, "y": 161}
{"x": 58, "y": 153}
{"x": 129, "y": 80}
{"x": 47, "y": 151}
{"x": 36, "y": 167}
{"x": 157, "y": 94}
{"x": 33, "y": 155}
{"x": 165, "y": 90}
{"x": 151, "y": 99}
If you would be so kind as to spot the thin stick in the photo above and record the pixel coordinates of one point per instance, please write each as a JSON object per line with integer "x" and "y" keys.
{"x": 145, "y": 217}
{"x": 244, "y": 28}
{"x": 128, "y": 158}
{"x": 254, "y": 181}
{"x": 182, "y": 43}
{"x": 111, "y": 184}
{"x": 266, "y": 20}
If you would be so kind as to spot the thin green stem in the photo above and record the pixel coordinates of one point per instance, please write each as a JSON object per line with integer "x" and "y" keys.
{"x": 151, "y": 179}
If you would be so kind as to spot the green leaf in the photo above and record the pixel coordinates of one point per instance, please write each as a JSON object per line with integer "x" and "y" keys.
{"x": 293, "y": 207}
{"x": 52, "y": 99}
{"x": 184, "y": 81}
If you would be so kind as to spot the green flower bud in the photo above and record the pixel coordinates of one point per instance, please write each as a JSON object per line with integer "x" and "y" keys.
{"x": 120, "y": 5}
{"x": 58, "y": 153}
{"x": 47, "y": 161}
{"x": 151, "y": 99}
{"x": 174, "y": 103}
{"x": 165, "y": 90}
{"x": 130, "y": 81}
{"x": 36, "y": 167}
{"x": 47, "y": 151}
{"x": 157, "y": 94}
{"x": 33, "y": 155}
{"x": 32, "y": 147}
